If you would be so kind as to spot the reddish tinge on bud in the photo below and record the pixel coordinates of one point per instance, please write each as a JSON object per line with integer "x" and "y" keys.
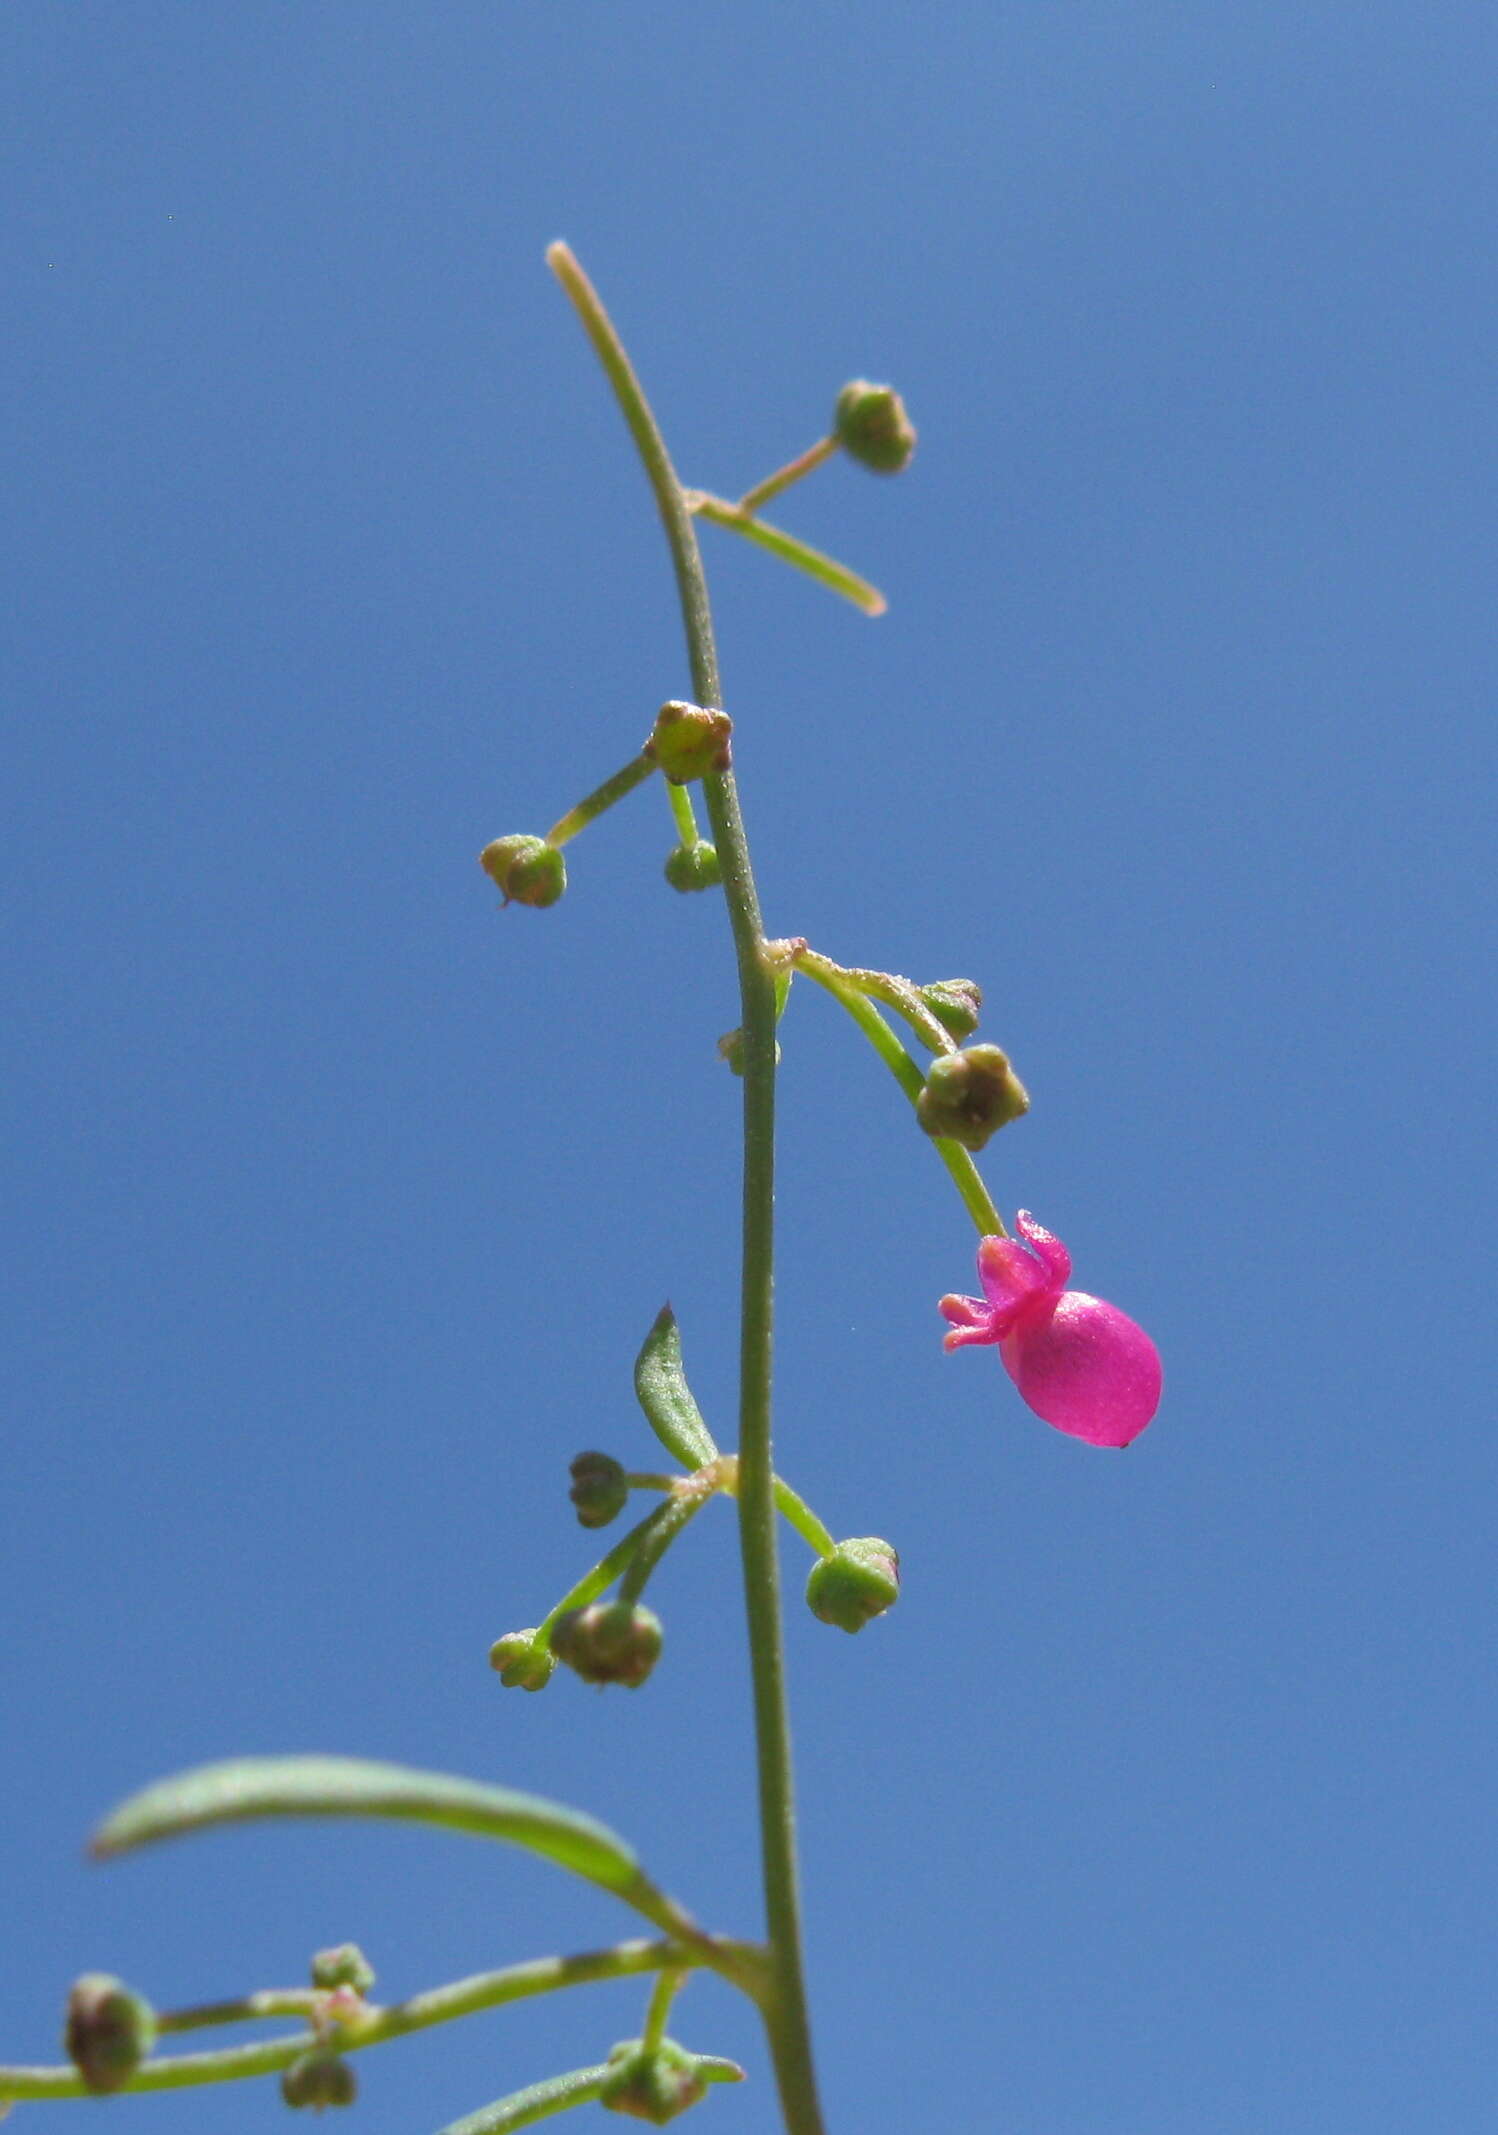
{"x": 969, "y": 1095}
{"x": 688, "y": 740}
{"x": 651, "y": 2084}
{"x": 872, "y": 427}
{"x": 520, "y": 1663}
{"x": 609, "y": 1642}
{"x": 343, "y": 1966}
{"x": 317, "y": 2079}
{"x": 527, "y": 870}
{"x": 108, "y": 2032}
{"x": 599, "y": 1489}
{"x": 859, "y": 1581}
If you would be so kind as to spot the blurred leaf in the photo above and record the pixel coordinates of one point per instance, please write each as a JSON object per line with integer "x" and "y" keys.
{"x": 349, "y": 1786}
{"x": 553, "y": 2095}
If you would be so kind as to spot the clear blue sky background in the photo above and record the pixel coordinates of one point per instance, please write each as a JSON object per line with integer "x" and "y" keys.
{"x": 338, "y": 1200}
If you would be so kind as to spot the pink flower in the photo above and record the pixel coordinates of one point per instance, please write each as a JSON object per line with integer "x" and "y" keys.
{"x": 1080, "y": 1363}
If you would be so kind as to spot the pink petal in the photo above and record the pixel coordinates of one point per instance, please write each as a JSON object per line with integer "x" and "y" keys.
{"x": 1010, "y": 1276}
{"x": 1049, "y": 1249}
{"x": 1085, "y": 1367}
{"x": 972, "y": 1321}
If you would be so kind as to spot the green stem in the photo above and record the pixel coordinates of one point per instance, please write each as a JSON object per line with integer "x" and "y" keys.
{"x": 270, "y": 2001}
{"x": 826, "y": 570}
{"x": 603, "y": 1574}
{"x": 966, "y": 1177}
{"x": 792, "y": 471}
{"x": 635, "y": 773}
{"x": 664, "y": 1525}
{"x": 803, "y": 1519}
{"x": 886, "y": 986}
{"x": 662, "y": 1995}
{"x": 685, "y": 815}
{"x": 787, "y": 2021}
{"x": 438, "y": 2005}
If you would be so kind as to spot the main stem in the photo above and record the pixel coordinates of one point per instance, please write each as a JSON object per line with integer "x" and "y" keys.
{"x": 785, "y": 2011}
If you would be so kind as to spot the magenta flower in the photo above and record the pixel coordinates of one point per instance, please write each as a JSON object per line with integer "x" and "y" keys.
{"x": 1080, "y": 1363}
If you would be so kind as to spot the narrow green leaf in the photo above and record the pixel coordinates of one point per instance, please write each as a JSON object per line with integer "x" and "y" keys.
{"x": 537, "y": 2102}
{"x": 661, "y": 1384}
{"x": 350, "y": 1786}
{"x": 826, "y": 570}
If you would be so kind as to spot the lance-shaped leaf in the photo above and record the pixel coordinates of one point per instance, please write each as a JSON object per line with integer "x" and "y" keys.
{"x": 826, "y": 570}
{"x": 350, "y": 1786}
{"x": 538, "y": 2101}
{"x": 661, "y": 1384}
{"x": 555, "y": 2094}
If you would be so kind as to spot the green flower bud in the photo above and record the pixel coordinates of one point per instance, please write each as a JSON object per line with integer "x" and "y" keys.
{"x": 344, "y": 1966}
{"x": 731, "y": 1049}
{"x": 653, "y": 2086}
{"x": 609, "y": 1642}
{"x": 688, "y": 740}
{"x": 527, "y": 870}
{"x": 872, "y": 427}
{"x": 108, "y": 2032}
{"x": 694, "y": 867}
{"x": 599, "y": 1490}
{"x": 860, "y": 1580}
{"x": 317, "y": 2079}
{"x": 970, "y": 1095}
{"x": 520, "y": 1663}
{"x": 955, "y": 1003}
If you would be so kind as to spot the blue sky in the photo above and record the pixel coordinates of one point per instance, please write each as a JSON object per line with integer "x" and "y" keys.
{"x": 338, "y": 1201}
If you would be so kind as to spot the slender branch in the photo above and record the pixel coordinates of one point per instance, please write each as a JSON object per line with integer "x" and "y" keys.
{"x": 793, "y": 471}
{"x": 437, "y": 2005}
{"x": 684, "y": 814}
{"x": 826, "y": 570}
{"x": 665, "y": 1524}
{"x": 634, "y": 773}
{"x": 966, "y": 1177}
{"x": 667, "y": 1986}
{"x": 786, "y": 2018}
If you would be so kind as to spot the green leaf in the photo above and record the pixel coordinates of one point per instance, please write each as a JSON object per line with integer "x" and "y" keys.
{"x": 537, "y": 2102}
{"x": 350, "y": 1786}
{"x": 661, "y": 1384}
{"x": 826, "y": 570}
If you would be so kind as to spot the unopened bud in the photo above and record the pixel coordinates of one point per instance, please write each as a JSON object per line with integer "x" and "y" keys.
{"x": 859, "y": 1581}
{"x": 653, "y": 2085}
{"x": 970, "y": 1095}
{"x": 694, "y": 867}
{"x": 731, "y": 1049}
{"x": 520, "y": 1663}
{"x": 599, "y": 1490}
{"x": 955, "y": 1003}
{"x": 318, "y": 2079}
{"x": 108, "y": 2033}
{"x": 609, "y": 1642}
{"x": 688, "y": 740}
{"x": 527, "y": 870}
{"x": 344, "y": 1966}
{"x": 872, "y": 427}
